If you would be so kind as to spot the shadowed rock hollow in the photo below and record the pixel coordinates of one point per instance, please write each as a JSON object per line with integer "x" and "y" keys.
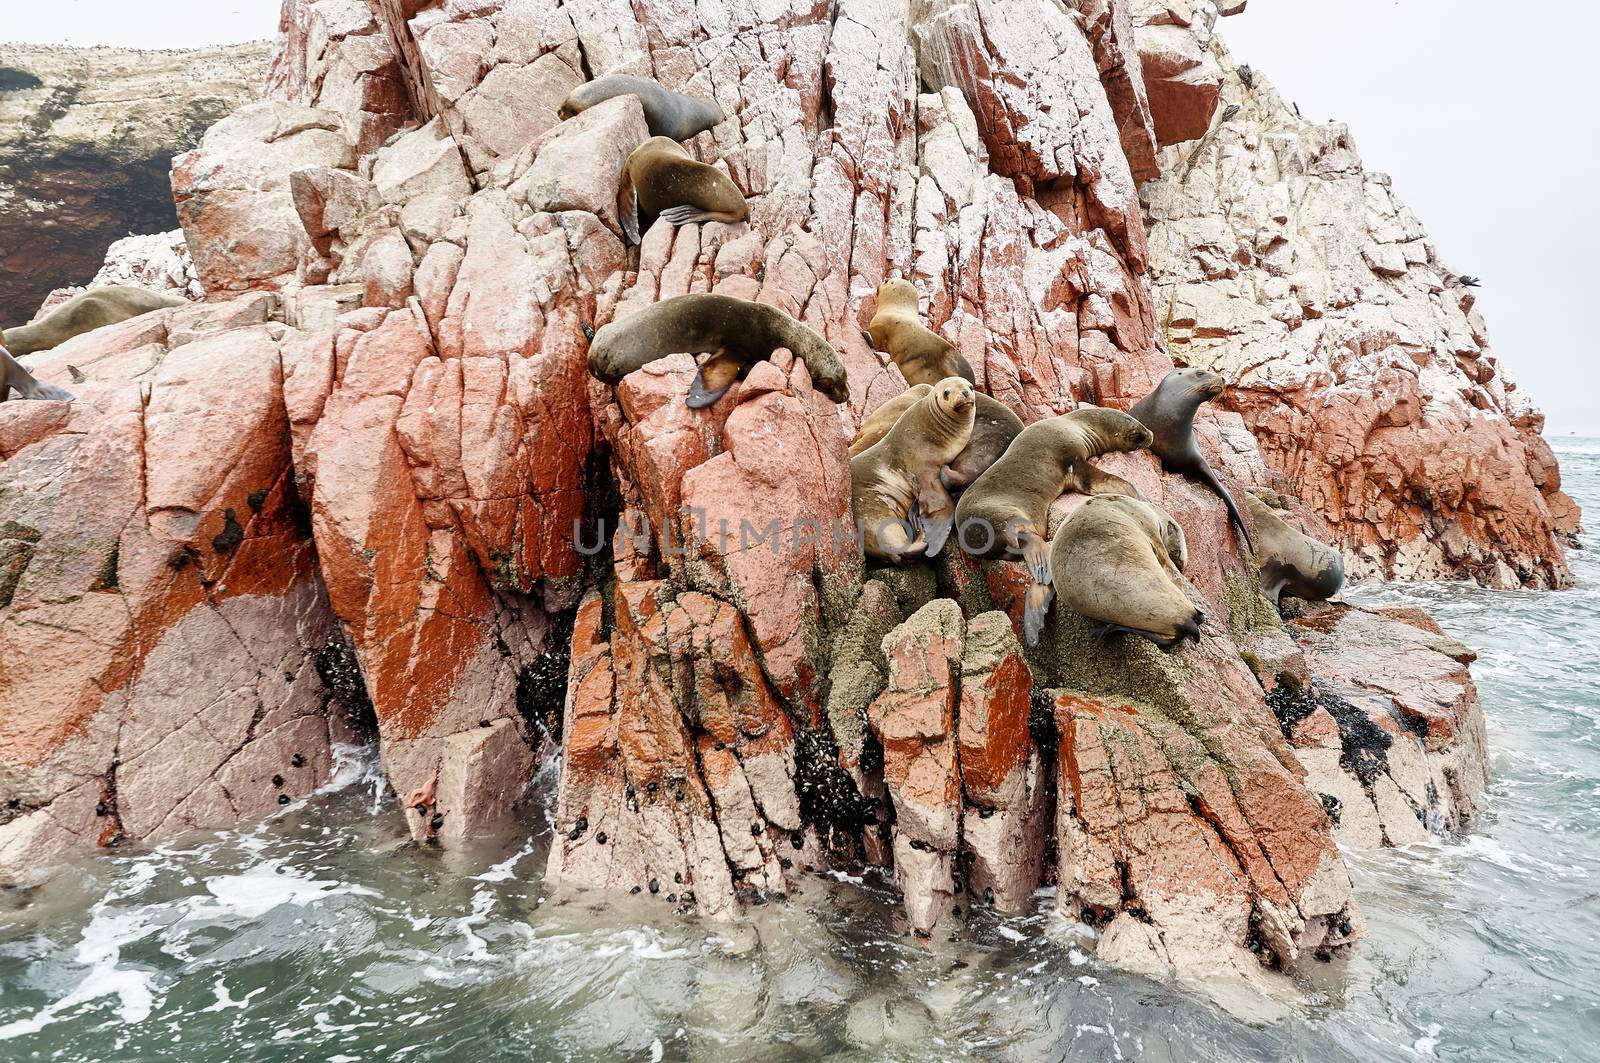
{"x": 376, "y": 449}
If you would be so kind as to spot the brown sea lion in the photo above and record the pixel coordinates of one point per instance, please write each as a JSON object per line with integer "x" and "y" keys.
{"x": 993, "y": 429}
{"x": 15, "y": 378}
{"x": 1291, "y": 561}
{"x": 667, "y": 113}
{"x": 736, "y": 332}
{"x": 895, "y": 483}
{"x": 661, "y": 180}
{"x": 924, "y": 356}
{"x": 85, "y": 312}
{"x": 1004, "y": 513}
{"x": 1168, "y": 411}
{"x": 1117, "y": 561}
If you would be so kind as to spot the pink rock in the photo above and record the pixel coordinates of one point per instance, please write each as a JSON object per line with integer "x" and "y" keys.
{"x": 169, "y": 546}
{"x": 433, "y": 252}
{"x": 233, "y": 194}
{"x": 915, "y": 720}
{"x": 578, "y": 164}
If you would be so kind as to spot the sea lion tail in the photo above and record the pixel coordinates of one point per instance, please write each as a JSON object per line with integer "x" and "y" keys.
{"x": 1035, "y": 611}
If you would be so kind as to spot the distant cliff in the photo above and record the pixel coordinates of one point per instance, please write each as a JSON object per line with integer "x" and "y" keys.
{"x": 87, "y": 137}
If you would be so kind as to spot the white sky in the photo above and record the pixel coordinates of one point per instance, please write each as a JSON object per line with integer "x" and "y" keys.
{"x": 1483, "y": 114}
{"x": 138, "y": 23}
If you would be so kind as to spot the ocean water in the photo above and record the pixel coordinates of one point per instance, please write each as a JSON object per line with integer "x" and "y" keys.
{"x": 320, "y": 934}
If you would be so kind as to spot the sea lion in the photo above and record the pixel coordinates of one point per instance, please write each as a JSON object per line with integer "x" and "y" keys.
{"x": 924, "y": 356}
{"x": 85, "y": 312}
{"x": 736, "y": 332}
{"x": 1117, "y": 561}
{"x": 1168, "y": 411}
{"x": 895, "y": 483}
{"x": 661, "y": 180}
{"x": 1291, "y": 561}
{"x": 667, "y": 113}
{"x": 1004, "y": 512}
{"x": 14, "y": 377}
{"x": 993, "y": 428}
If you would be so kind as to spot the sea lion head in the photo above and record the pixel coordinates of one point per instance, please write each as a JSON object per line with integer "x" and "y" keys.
{"x": 576, "y": 103}
{"x": 655, "y": 144}
{"x": 1116, "y": 430}
{"x": 714, "y": 113}
{"x": 955, "y": 398}
{"x": 822, "y": 362}
{"x": 898, "y": 294}
{"x": 1201, "y": 385}
{"x": 1172, "y": 540}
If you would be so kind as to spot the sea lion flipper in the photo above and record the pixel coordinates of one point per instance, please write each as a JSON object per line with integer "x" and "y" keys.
{"x": 688, "y": 213}
{"x": 1036, "y": 555}
{"x": 628, "y": 207}
{"x": 1104, "y": 631}
{"x": 1036, "y": 609}
{"x": 700, "y": 396}
{"x": 26, "y": 385}
{"x": 715, "y": 376}
{"x": 77, "y": 374}
{"x": 934, "y": 513}
{"x": 49, "y": 393}
{"x": 1086, "y": 478}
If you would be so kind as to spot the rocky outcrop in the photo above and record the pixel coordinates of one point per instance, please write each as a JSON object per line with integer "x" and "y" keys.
{"x": 404, "y": 273}
{"x": 1387, "y": 724}
{"x": 1182, "y": 78}
{"x": 158, "y": 261}
{"x": 1355, "y": 356}
{"x": 168, "y": 658}
{"x": 86, "y": 139}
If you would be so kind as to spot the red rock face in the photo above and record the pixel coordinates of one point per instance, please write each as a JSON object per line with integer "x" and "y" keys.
{"x": 161, "y": 615}
{"x": 1391, "y": 730}
{"x": 391, "y": 447}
